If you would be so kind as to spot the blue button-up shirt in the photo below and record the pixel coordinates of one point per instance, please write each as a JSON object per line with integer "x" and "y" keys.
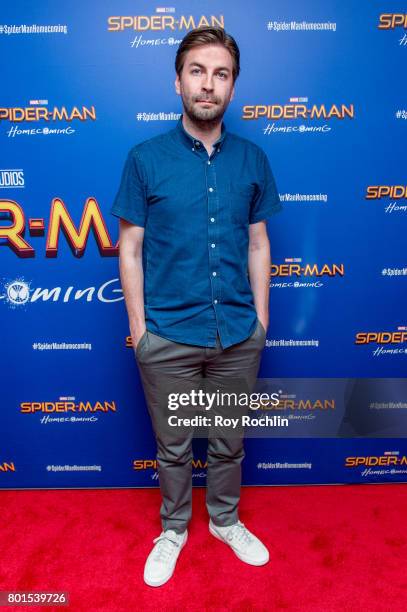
{"x": 196, "y": 210}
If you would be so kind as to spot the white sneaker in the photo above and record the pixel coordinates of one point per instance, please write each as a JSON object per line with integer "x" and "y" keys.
{"x": 160, "y": 564}
{"x": 243, "y": 543}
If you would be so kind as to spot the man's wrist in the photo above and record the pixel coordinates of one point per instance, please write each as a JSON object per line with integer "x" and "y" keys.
{"x": 137, "y": 327}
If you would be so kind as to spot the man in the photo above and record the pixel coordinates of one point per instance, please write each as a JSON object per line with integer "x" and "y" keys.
{"x": 195, "y": 267}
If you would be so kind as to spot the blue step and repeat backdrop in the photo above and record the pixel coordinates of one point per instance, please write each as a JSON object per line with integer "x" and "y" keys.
{"x": 322, "y": 91}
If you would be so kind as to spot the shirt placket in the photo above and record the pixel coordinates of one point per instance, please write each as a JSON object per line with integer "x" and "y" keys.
{"x": 213, "y": 231}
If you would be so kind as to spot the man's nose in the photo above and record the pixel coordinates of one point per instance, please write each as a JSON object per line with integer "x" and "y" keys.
{"x": 207, "y": 83}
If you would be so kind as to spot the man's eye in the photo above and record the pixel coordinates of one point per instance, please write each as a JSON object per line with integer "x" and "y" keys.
{"x": 195, "y": 70}
{"x": 222, "y": 75}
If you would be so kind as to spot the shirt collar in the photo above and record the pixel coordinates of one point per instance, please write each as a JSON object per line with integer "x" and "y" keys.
{"x": 190, "y": 141}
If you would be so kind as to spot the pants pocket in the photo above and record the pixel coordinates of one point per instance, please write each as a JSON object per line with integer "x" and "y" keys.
{"x": 141, "y": 343}
{"x": 260, "y": 324}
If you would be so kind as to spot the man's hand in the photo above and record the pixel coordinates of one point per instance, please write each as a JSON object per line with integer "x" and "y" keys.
{"x": 264, "y": 321}
{"x": 136, "y": 334}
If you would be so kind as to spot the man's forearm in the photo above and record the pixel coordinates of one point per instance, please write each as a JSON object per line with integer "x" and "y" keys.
{"x": 259, "y": 262}
{"x": 132, "y": 281}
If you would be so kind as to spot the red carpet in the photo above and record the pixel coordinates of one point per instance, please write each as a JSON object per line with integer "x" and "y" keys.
{"x": 332, "y": 548}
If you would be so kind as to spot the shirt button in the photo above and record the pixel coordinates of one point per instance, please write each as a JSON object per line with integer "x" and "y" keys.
{"x": 210, "y": 189}
{"x": 215, "y": 301}
{"x": 213, "y": 273}
{"x": 197, "y": 144}
{"x": 212, "y": 219}
{"x": 209, "y": 163}
{"x": 213, "y": 245}
{"x": 193, "y": 149}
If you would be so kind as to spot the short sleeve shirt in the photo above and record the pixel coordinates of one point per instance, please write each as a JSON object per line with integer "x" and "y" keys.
{"x": 196, "y": 210}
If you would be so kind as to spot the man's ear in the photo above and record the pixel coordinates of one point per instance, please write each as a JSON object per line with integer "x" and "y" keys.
{"x": 177, "y": 85}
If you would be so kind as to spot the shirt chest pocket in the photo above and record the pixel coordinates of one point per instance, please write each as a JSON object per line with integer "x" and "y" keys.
{"x": 240, "y": 196}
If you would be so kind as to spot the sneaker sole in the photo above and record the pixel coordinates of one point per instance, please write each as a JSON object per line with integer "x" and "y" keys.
{"x": 161, "y": 582}
{"x": 241, "y": 556}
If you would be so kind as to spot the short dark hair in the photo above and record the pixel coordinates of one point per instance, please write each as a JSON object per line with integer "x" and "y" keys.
{"x": 208, "y": 35}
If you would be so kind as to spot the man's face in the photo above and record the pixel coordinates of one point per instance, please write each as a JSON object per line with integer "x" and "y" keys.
{"x": 206, "y": 83}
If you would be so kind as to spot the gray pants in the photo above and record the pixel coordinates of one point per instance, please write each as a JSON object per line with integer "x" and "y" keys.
{"x": 161, "y": 360}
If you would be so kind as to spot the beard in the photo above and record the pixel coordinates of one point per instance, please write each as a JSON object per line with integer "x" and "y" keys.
{"x": 202, "y": 114}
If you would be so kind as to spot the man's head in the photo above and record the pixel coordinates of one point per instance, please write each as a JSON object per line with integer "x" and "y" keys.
{"x": 207, "y": 66}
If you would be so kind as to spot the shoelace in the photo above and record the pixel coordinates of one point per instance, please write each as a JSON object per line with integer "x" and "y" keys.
{"x": 240, "y": 533}
{"x": 165, "y": 548}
